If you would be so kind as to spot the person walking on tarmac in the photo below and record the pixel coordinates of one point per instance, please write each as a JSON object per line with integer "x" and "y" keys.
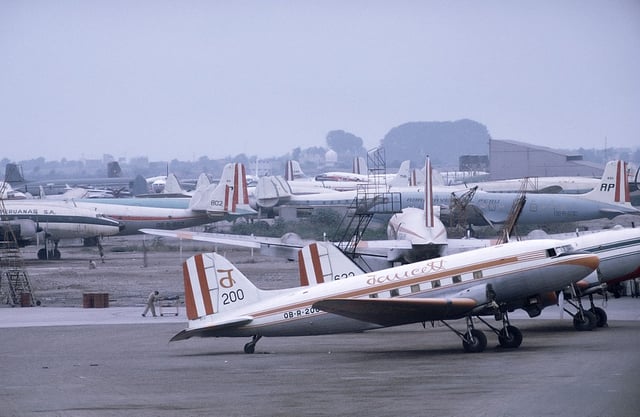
{"x": 151, "y": 300}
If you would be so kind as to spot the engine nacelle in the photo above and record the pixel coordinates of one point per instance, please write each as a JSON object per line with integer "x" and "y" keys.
{"x": 23, "y": 230}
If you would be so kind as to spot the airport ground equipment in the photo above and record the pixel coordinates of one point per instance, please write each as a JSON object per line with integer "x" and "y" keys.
{"x": 13, "y": 273}
{"x": 168, "y": 306}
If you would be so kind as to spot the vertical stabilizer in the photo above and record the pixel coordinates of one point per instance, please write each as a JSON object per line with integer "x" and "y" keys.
{"x": 213, "y": 285}
{"x": 614, "y": 185}
{"x": 428, "y": 195}
{"x": 203, "y": 181}
{"x": 228, "y": 196}
{"x": 114, "y": 170}
{"x": 13, "y": 174}
{"x": 322, "y": 262}
{"x": 172, "y": 185}
{"x": 292, "y": 171}
{"x": 359, "y": 166}
{"x": 402, "y": 177}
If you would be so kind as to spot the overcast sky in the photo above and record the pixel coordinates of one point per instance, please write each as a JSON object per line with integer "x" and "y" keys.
{"x": 181, "y": 79}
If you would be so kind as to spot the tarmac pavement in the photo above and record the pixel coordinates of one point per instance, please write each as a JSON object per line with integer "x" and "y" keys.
{"x": 64, "y": 361}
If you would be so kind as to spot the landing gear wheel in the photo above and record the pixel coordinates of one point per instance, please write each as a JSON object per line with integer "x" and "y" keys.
{"x": 42, "y": 254}
{"x": 510, "y": 337}
{"x": 601, "y": 316}
{"x": 585, "y": 321}
{"x": 250, "y": 347}
{"x": 56, "y": 254}
{"x": 475, "y": 341}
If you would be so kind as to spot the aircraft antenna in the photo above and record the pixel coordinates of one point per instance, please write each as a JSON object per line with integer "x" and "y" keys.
{"x": 12, "y": 268}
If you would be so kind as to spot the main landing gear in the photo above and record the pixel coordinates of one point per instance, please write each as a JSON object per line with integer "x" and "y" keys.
{"x": 583, "y": 319}
{"x": 47, "y": 253}
{"x": 475, "y": 341}
{"x": 251, "y": 346}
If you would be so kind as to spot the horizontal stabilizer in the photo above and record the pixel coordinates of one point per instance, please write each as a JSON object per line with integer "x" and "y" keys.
{"x": 203, "y": 331}
{"x": 397, "y": 311}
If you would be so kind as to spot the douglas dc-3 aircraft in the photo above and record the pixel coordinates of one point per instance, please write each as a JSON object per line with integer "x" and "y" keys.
{"x": 619, "y": 252}
{"x": 222, "y": 302}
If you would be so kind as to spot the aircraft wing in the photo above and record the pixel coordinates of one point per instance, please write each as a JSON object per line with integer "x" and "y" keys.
{"x": 211, "y": 329}
{"x": 223, "y": 239}
{"x": 289, "y": 240}
{"x": 397, "y": 311}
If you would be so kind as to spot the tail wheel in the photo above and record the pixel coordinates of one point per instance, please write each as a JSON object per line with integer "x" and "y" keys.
{"x": 250, "y": 347}
{"x": 474, "y": 342}
{"x": 510, "y": 337}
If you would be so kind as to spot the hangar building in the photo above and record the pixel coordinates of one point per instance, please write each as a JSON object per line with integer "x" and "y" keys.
{"x": 512, "y": 159}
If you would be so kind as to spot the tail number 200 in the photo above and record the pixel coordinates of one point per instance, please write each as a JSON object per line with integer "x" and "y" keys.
{"x": 232, "y": 296}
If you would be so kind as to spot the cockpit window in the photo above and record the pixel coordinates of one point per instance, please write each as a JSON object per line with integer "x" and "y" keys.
{"x": 559, "y": 250}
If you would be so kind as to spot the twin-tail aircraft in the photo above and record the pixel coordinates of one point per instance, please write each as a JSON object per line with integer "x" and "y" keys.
{"x": 222, "y": 302}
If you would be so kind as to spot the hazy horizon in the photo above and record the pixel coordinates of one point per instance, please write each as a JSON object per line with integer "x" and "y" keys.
{"x": 178, "y": 80}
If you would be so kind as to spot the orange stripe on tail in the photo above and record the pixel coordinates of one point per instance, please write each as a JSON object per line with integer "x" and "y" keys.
{"x": 192, "y": 311}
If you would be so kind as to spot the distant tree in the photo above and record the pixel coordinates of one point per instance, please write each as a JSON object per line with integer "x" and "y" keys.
{"x": 444, "y": 142}
{"x": 346, "y": 145}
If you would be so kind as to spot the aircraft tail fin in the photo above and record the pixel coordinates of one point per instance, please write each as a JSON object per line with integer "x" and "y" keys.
{"x": 227, "y": 196}
{"x": 614, "y": 185}
{"x": 322, "y": 262}
{"x": 401, "y": 179}
{"x": 13, "y": 174}
{"x": 114, "y": 170}
{"x": 292, "y": 171}
{"x": 172, "y": 185}
{"x": 213, "y": 285}
{"x": 203, "y": 181}
{"x": 359, "y": 166}
{"x": 272, "y": 190}
{"x": 139, "y": 185}
{"x": 428, "y": 195}
{"x": 417, "y": 177}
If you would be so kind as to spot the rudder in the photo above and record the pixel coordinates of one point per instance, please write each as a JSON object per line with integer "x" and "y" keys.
{"x": 614, "y": 185}
{"x": 212, "y": 285}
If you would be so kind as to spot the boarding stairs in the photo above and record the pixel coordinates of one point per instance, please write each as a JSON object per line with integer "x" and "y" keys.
{"x": 15, "y": 288}
{"x": 371, "y": 199}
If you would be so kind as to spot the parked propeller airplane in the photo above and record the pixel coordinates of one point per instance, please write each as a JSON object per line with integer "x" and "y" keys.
{"x": 226, "y": 200}
{"x": 30, "y": 219}
{"x": 609, "y": 200}
{"x": 422, "y": 236}
{"x": 222, "y": 302}
{"x": 342, "y": 181}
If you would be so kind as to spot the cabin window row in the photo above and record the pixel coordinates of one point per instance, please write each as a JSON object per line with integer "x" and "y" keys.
{"x": 425, "y": 286}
